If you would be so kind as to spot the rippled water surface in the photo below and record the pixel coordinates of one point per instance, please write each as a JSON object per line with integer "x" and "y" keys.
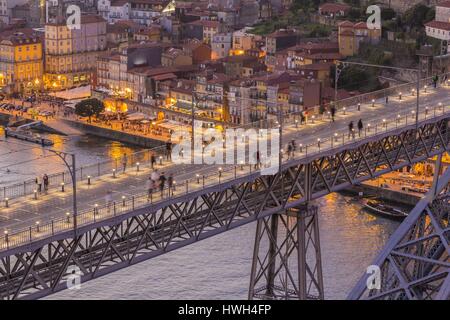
{"x": 20, "y": 160}
{"x": 219, "y": 267}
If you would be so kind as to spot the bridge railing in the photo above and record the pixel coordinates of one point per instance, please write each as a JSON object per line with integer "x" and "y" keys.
{"x": 84, "y": 172}
{"x": 57, "y": 180}
{"x": 198, "y": 182}
{"x": 406, "y": 89}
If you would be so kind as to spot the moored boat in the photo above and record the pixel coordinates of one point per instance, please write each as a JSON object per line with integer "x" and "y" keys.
{"x": 384, "y": 210}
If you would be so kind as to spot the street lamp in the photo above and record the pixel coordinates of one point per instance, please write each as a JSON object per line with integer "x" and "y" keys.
{"x": 72, "y": 171}
{"x": 194, "y": 103}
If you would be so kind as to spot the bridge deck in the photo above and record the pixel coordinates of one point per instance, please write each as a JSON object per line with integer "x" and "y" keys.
{"x": 129, "y": 188}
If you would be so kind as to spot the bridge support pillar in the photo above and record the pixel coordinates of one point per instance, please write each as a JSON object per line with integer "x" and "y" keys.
{"x": 287, "y": 261}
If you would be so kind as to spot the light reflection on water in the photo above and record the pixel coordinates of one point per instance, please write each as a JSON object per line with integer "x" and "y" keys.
{"x": 219, "y": 267}
{"x": 20, "y": 160}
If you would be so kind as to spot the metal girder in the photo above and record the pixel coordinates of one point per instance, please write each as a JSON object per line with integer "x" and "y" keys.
{"x": 415, "y": 263}
{"x": 286, "y": 260}
{"x": 40, "y": 268}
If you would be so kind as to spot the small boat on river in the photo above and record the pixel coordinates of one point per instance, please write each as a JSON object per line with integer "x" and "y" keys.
{"x": 379, "y": 208}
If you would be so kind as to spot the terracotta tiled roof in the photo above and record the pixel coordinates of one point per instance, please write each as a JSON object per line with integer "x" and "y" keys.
{"x": 438, "y": 25}
{"x": 20, "y": 38}
{"x": 154, "y": 2}
{"x": 85, "y": 19}
{"x": 324, "y": 56}
{"x": 91, "y": 19}
{"x": 117, "y": 28}
{"x": 445, "y": 4}
{"x": 360, "y": 25}
{"x": 109, "y": 56}
{"x": 345, "y": 23}
{"x": 206, "y": 23}
{"x": 334, "y": 7}
{"x": 118, "y": 3}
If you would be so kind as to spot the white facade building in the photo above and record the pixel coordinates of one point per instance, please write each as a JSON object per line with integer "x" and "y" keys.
{"x": 139, "y": 11}
{"x": 440, "y": 27}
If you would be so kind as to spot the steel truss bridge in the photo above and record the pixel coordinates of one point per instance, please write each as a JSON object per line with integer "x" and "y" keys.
{"x": 286, "y": 262}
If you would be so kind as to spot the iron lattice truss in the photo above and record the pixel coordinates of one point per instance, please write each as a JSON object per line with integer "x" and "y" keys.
{"x": 415, "y": 264}
{"x": 286, "y": 260}
{"x": 40, "y": 268}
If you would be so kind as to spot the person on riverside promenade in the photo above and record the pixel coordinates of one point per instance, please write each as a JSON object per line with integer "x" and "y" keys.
{"x": 162, "y": 181}
{"x": 46, "y": 182}
{"x": 124, "y": 161}
{"x": 150, "y": 187}
{"x": 351, "y": 129}
{"x": 333, "y": 112}
{"x": 360, "y": 127}
{"x": 108, "y": 199}
{"x": 170, "y": 184}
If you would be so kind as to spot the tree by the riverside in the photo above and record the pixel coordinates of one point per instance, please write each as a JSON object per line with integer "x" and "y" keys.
{"x": 89, "y": 108}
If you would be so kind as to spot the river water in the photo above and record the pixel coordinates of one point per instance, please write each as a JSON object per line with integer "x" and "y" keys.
{"x": 21, "y": 161}
{"x": 215, "y": 268}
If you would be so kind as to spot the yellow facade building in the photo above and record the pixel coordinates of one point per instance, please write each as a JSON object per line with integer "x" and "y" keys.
{"x": 351, "y": 35}
{"x": 71, "y": 54}
{"x": 21, "y": 62}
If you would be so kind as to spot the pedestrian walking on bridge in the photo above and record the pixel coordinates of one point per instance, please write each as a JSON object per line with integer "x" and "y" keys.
{"x": 153, "y": 160}
{"x": 435, "y": 80}
{"x": 162, "y": 182}
{"x": 360, "y": 127}
{"x": 38, "y": 184}
{"x": 170, "y": 184}
{"x": 124, "y": 161}
{"x": 46, "y": 182}
{"x": 290, "y": 150}
{"x": 108, "y": 200}
{"x": 333, "y": 112}
{"x": 258, "y": 160}
{"x": 351, "y": 130}
{"x": 150, "y": 187}
{"x": 169, "y": 150}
